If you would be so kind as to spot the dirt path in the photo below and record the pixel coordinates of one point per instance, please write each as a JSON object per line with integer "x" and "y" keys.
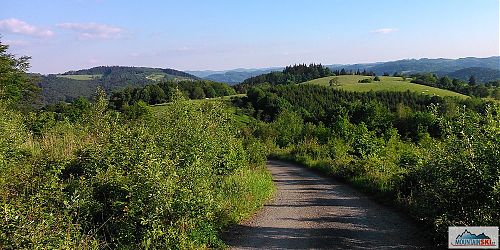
{"x": 314, "y": 212}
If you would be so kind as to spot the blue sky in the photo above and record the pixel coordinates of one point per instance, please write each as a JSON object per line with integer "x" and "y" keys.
{"x": 62, "y": 35}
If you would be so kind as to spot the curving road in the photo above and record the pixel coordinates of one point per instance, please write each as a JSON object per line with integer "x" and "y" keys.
{"x": 313, "y": 212}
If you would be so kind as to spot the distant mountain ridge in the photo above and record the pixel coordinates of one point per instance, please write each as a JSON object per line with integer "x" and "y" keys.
{"x": 481, "y": 74}
{"x": 233, "y": 76}
{"x": 439, "y": 65}
{"x": 484, "y": 69}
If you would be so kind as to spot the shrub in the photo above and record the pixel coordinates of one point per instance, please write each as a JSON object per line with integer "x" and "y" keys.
{"x": 366, "y": 80}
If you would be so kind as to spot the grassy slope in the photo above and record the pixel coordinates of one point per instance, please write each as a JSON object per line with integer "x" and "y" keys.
{"x": 160, "y": 76}
{"x": 81, "y": 77}
{"x": 387, "y": 83}
{"x": 155, "y": 77}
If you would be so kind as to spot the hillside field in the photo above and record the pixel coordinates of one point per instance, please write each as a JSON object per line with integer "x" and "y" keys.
{"x": 81, "y": 77}
{"x": 387, "y": 83}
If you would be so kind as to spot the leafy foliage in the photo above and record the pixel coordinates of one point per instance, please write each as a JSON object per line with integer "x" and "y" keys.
{"x": 16, "y": 88}
{"x": 164, "y": 92}
{"x": 471, "y": 88}
{"x": 108, "y": 180}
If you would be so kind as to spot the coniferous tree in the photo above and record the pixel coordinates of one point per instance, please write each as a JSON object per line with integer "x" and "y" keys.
{"x": 472, "y": 80}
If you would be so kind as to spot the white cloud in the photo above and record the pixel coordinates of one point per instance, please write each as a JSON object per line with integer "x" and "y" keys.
{"x": 384, "y": 30}
{"x": 17, "y": 26}
{"x": 88, "y": 31}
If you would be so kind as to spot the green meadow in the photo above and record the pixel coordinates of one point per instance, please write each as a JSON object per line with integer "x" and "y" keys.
{"x": 155, "y": 77}
{"x": 81, "y": 77}
{"x": 386, "y": 83}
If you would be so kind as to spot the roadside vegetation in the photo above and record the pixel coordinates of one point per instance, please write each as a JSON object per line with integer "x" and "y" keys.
{"x": 84, "y": 176}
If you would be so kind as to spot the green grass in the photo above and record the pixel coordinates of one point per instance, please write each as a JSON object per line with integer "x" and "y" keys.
{"x": 155, "y": 77}
{"x": 387, "y": 83}
{"x": 81, "y": 77}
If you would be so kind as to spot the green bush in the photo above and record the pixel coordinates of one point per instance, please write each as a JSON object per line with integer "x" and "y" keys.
{"x": 366, "y": 80}
{"x": 168, "y": 181}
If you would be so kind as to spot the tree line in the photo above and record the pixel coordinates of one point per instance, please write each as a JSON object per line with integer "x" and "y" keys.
{"x": 164, "y": 91}
{"x": 290, "y": 75}
{"x": 472, "y": 87}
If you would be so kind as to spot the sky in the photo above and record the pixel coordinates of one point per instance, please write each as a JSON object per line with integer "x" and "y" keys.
{"x": 62, "y": 35}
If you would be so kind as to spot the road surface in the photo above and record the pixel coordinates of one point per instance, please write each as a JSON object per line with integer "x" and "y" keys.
{"x": 313, "y": 212}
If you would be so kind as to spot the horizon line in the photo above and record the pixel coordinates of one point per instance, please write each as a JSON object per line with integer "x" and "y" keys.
{"x": 269, "y": 67}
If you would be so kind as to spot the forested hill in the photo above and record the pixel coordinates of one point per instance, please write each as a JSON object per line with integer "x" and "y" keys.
{"x": 290, "y": 75}
{"x": 72, "y": 84}
{"x": 109, "y": 70}
{"x": 481, "y": 74}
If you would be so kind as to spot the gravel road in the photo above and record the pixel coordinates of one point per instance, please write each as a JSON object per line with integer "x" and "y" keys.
{"x": 313, "y": 212}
